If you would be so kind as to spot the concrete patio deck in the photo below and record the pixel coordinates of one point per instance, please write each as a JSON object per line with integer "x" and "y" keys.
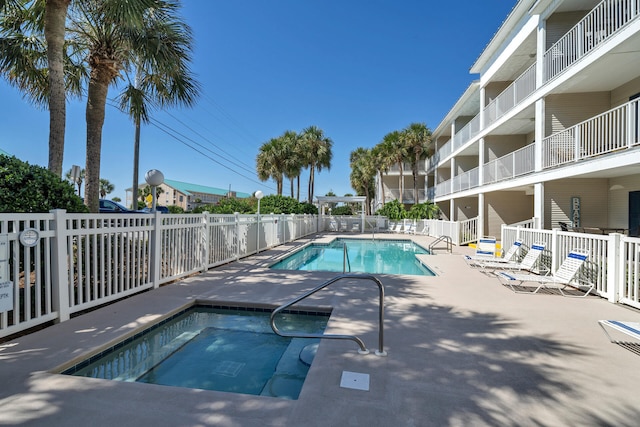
{"x": 462, "y": 350}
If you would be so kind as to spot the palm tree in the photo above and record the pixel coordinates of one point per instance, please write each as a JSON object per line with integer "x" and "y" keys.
{"x": 396, "y": 149}
{"x": 363, "y": 173}
{"x": 78, "y": 181}
{"x": 105, "y": 187}
{"x": 54, "y": 30}
{"x": 270, "y": 162}
{"x": 382, "y": 161}
{"x": 32, "y": 59}
{"x": 317, "y": 150}
{"x": 294, "y": 160}
{"x": 162, "y": 83}
{"x": 147, "y": 36}
{"x": 418, "y": 140}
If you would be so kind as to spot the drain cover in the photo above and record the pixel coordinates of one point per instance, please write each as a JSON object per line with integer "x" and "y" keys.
{"x": 228, "y": 368}
{"x": 355, "y": 381}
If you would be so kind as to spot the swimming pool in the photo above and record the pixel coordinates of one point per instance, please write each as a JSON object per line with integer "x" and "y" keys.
{"x": 214, "y": 348}
{"x": 363, "y": 256}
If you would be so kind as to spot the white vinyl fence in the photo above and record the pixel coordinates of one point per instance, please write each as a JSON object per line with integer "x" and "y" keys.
{"x": 613, "y": 265}
{"x": 80, "y": 261}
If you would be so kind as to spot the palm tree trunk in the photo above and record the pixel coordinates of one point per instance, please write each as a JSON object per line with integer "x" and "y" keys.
{"x": 382, "y": 187}
{"x": 136, "y": 163}
{"x": 414, "y": 169}
{"x": 54, "y": 30}
{"x": 401, "y": 183}
{"x": 96, "y": 101}
{"x": 311, "y": 183}
{"x": 298, "y": 190}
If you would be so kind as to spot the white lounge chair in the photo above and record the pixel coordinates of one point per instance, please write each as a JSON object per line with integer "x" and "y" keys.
{"x": 485, "y": 250}
{"x": 530, "y": 261}
{"x": 562, "y": 278}
{"x": 395, "y": 227}
{"x": 508, "y": 256}
{"x": 630, "y": 329}
{"x": 410, "y": 229}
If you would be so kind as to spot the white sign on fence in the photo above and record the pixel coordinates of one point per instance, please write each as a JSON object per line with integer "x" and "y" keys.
{"x": 6, "y": 296}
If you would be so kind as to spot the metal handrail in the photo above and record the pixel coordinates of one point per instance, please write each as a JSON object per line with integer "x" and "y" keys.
{"x": 363, "y": 348}
{"x": 447, "y": 239}
{"x": 345, "y": 259}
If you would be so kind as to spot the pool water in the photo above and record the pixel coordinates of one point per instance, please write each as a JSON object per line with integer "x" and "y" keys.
{"x": 215, "y": 349}
{"x": 363, "y": 256}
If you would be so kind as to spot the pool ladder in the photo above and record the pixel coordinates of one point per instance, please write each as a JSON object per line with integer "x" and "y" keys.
{"x": 445, "y": 239}
{"x": 363, "y": 348}
{"x": 345, "y": 259}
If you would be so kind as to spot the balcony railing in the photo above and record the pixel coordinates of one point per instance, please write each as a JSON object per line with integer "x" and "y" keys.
{"x": 407, "y": 168}
{"x": 513, "y": 95}
{"x": 465, "y": 134}
{"x": 600, "y": 24}
{"x": 514, "y": 164}
{"x": 408, "y": 196}
{"x": 610, "y": 131}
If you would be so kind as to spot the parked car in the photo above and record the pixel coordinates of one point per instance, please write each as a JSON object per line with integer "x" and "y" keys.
{"x": 161, "y": 209}
{"x": 109, "y": 206}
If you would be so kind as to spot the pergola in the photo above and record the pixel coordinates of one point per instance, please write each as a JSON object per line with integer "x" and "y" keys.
{"x": 323, "y": 201}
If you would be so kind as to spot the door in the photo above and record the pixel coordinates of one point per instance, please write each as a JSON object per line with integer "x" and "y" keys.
{"x": 634, "y": 213}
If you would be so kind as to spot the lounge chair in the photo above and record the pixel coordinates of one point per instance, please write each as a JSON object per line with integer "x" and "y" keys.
{"x": 395, "y": 227}
{"x": 410, "y": 229}
{"x": 562, "y": 278}
{"x": 485, "y": 250}
{"x": 508, "y": 256}
{"x": 631, "y": 329}
{"x": 528, "y": 263}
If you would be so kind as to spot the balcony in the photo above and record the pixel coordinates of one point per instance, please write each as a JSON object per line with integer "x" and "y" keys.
{"x": 596, "y": 27}
{"x": 408, "y": 196}
{"x": 613, "y": 130}
{"x": 607, "y": 18}
{"x": 514, "y": 164}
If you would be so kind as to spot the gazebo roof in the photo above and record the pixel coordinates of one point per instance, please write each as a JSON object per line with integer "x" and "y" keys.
{"x": 338, "y": 199}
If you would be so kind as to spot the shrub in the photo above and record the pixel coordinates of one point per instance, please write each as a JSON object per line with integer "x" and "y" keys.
{"x": 394, "y": 210}
{"x": 30, "y": 188}
{"x": 342, "y": 210}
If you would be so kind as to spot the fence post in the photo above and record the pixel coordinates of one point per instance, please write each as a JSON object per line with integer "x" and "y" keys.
{"x": 60, "y": 295}
{"x": 554, "y": 250}
{"x": 616, "y": 267}
{"x": 237, "y": 219}
{"x": 156, "y": 252}
{"x": 205, "y": 241}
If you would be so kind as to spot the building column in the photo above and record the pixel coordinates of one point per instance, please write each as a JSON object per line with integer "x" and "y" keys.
{"x": 538, "y": 202}
{"x": 481, "y": 215}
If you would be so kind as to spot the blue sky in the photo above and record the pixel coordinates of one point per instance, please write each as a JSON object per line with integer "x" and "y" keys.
{"x": 358, "y": 69}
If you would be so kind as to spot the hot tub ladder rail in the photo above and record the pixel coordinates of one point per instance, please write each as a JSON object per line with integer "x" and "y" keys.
{"x": 363, "y": 348}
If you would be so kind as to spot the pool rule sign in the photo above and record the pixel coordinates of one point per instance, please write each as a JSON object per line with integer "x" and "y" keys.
{"x": 6, "y": 286}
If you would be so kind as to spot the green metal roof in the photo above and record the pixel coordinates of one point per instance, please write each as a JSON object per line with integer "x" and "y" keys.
{"x": 189, "y": 189}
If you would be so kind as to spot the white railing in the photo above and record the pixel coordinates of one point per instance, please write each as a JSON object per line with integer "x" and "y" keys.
{"x": 85, "y": 260}
{"x": 408, "y": 195}
{"x": 613, "y": 265}
{"x": 513, "y": 95}
{"x": 610, "y": 131}
{"x": 465, "y": 134}
{"x": 406, "y": 167}
{"x": 600, "y": 24}
{"x": 442, "y": 188}
{"x": 516, "y": 163}
{"x": 466, "y": 180}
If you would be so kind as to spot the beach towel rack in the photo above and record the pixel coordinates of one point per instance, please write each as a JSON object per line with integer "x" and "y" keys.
{"x": 363, "y": 348}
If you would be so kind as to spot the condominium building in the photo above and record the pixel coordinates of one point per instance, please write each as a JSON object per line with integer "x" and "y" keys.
{"x": 550, "y": 128}
{"x": 189, "y": 196}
